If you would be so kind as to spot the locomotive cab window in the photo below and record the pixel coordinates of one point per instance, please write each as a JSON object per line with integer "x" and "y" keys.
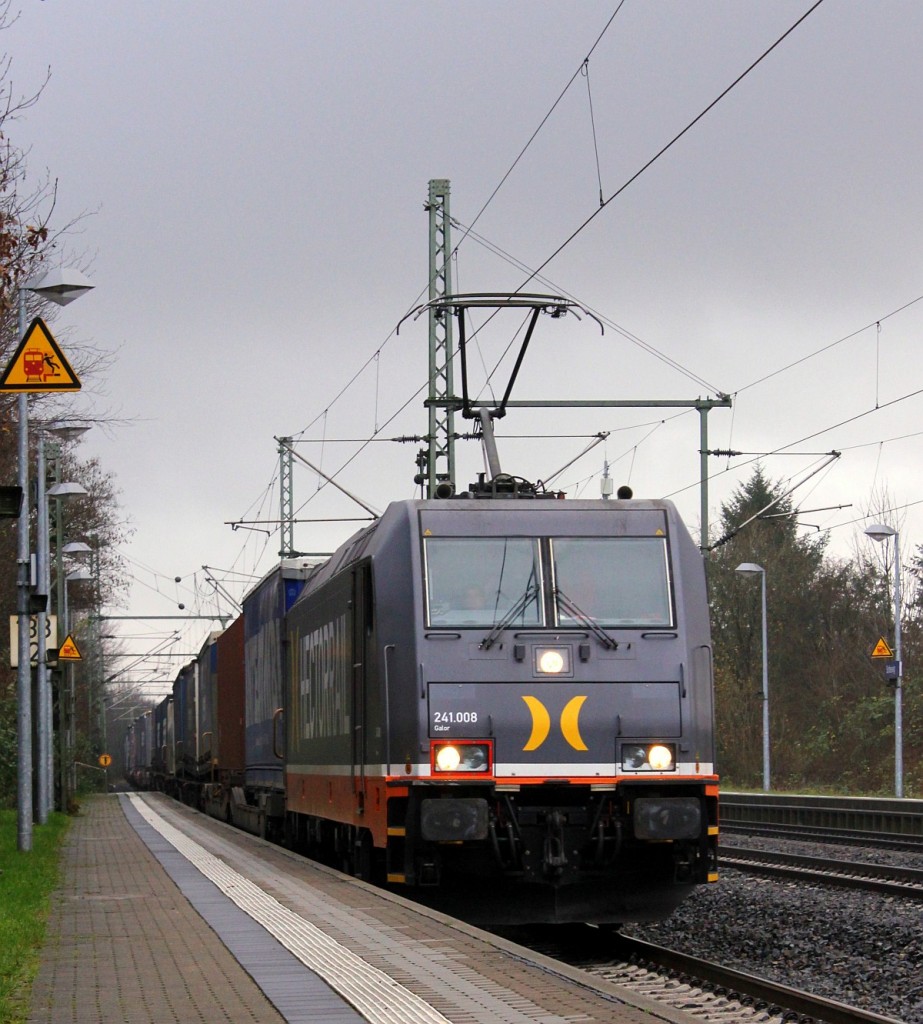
{"x": 478, "y": 581}
{"x": 615, "y": 581}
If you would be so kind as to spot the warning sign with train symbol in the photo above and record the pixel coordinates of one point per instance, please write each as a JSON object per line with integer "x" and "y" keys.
{"x": 69, "y": 651}
{"x": 39, "y": 364}
{"x": 881, "y": 649}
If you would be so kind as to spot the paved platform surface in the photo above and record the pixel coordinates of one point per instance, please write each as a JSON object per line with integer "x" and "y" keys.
{"x": 166, "y": 915}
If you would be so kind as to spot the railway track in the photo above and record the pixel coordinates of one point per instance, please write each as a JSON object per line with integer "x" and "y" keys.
{"x": 832, "y": 836}
{"x": 692, "y": 984}
{"x": 881, "y": 878}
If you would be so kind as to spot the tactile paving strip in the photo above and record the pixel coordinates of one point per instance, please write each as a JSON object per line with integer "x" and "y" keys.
{"x": 300, "y": 995}
{"x": 378, "y": 997}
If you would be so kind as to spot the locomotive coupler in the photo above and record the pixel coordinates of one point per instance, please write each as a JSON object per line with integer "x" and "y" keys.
{"x": 554, "y": 858}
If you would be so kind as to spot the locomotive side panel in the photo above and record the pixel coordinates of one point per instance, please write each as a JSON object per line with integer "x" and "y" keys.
{"x": 320, "y": 705}
{"x": 351, "y": 650}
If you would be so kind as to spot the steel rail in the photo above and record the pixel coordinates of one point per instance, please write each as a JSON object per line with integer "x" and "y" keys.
{"x": 881, "y": 878}
{"x": 832, "y": 836}
{"x": 748, "y": 986}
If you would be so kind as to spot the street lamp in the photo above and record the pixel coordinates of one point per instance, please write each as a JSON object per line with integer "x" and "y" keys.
{"x": 59, "y": 286}
{"x": 42, "y": 710}
{"x": 69, "y": 706}
{"x": 880, "y": 532}
{"x": 43, "y": 713}
{"x": 752, "y": 569}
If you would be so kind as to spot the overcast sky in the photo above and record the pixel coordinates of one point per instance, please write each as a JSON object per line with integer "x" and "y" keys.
{"x": 253, "y": 178}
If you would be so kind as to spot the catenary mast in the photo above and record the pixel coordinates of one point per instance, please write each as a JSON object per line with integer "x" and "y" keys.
{"x": 440, "y": 464}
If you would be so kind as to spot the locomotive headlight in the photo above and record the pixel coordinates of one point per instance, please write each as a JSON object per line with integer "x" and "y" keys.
{"x": 653, "y": 757}
{"x": 552, "y": 661}
{"x": 660, "y": 758}
{"x": 460, "y": 757}
{"x": 447, "y": 759}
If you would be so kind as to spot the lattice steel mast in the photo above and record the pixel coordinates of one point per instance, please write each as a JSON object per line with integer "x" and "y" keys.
{"x": 286, "y": 501}
{"x": 440, "y": 461}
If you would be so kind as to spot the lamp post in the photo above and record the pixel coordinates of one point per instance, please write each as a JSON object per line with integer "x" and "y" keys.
{"x": 44, "y": 731}
{"x": 60, "y": 491}
{"x": 752, "y": 569}
{"x": 67, "y": 737}
{"x": 60, "y": 286}
{"x": 880, "y": 532}
{"x": 68, "y": 770}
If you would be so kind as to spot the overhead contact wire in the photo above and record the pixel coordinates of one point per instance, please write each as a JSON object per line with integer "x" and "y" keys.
{"x": 672, "y": 141}
{"x": 544, "y": 120}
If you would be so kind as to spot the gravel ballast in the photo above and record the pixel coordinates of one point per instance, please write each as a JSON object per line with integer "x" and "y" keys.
{"x": 856, "y": 947}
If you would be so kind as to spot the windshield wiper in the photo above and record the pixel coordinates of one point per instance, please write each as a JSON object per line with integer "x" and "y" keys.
{"x": 581, "y": 616}
{"x": 507, "y": 620}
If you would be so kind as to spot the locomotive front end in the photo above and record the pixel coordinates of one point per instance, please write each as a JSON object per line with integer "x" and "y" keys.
{"x": 565, "y": 714}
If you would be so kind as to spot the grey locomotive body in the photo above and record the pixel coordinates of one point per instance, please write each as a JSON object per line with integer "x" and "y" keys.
{"x": 506, "y": 705}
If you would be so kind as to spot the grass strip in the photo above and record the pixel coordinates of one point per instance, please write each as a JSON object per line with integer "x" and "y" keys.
{"x": 27, "y": 881}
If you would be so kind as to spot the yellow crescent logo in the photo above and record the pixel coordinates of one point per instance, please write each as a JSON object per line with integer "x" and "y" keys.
{"x": 541, "y": 723}
{"x": 570, "y": 727}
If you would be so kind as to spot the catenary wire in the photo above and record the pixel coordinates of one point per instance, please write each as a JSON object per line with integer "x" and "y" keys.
{"x": 676, "y": 138}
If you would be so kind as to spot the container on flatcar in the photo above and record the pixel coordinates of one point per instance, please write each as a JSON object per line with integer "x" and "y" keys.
{"x": 144, "y": 730}
{"x": 510, "y": 702}
{"x": 225, "y": 745}
{"x": 264, "y": 610}
{"x": 206, "y": 707}
{"x": 185, "y": 737}
{"x": 163, "y": 755}
{"x": 137, "y": 753}
{"x": 230, "y": 701}
{"x": 130, "y": 752}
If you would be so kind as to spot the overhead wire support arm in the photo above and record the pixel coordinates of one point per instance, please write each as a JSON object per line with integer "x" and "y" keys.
{"x": 761, "y": 514}
{"x": 289, "y": 444}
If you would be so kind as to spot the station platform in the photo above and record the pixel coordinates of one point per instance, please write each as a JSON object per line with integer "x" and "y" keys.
{"x": 167, "y": 915}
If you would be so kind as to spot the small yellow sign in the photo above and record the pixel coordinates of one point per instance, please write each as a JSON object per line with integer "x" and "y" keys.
{"x": 105, "y": 760}
{"x": 38, "y": 364}
{"x": 882, "y": 650}
{"x": 68, "y": 651}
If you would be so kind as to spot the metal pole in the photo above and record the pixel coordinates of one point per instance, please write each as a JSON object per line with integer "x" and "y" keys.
{"x": 898, "y": 704}
{"x": 286, "y": 500}
{"x": 765, "y": 690}
{"x": 43, "y": 698}
{"x": 71, "y": 698}
{"x": 23, "y": 671}
{"x": 703, "y": 476}
{"x": 440, "y": 467}
{"x": 61, "y": 609}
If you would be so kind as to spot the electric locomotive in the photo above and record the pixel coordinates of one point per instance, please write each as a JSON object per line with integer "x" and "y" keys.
{"x": 505, "y": 705}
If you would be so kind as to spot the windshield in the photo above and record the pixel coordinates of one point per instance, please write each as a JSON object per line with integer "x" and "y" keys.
{"x": 615, "y": 581}
{"x": 476, "y": 581}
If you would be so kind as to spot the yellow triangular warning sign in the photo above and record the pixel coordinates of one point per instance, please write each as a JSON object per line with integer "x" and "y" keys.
{"x": 882, "y": 650}
{"x": 68, "y": 650}
{"x": 38, "y": 364}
